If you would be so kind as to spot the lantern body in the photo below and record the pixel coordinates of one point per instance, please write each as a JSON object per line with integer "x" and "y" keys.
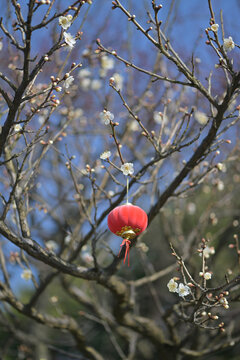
{"x": 127, "y": 221}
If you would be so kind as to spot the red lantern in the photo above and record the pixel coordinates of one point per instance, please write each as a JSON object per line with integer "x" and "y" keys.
{"x": 127, "y": 221}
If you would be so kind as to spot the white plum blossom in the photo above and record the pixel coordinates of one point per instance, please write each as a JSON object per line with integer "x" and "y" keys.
{"x": 51, "y": 245}
{"x": 201, "y": 117}
{"x": 220, "y": 185}
{"x": 105, "y": 155}
{"x": 84, "y": 76}
{"x": 17, "y": 127}
{"x": 207, "y": 276}
{"x": 85, "y": 83}
{"x": 87, "y": 257}
{"x": 67, "y": 239}
{"x": 214, "y": 27}
{"x": 149, "y": 94}
{"x": 228, "y": 44}
{"x": 183, "y": 290}
{"x": 11, "y": 66}
{"x": 69, "y": 17}
{"x": 160, "y": 118}
{"x": 65, "y": 21}
{"x": 118, "y": 80}
{"x": 1, "y": 45}
{"x": 172, "y": 286}
{"x": 69, "y": 39}
{"x": 68, "y": 82}
{"x": 111, "y": 193}
{"x": 58, "y": 88}
{"x": 86, "y": 52}
{"x": 142, "y": 246}
{"x": 78, "y": 113}
{"x": 221, "y": 167}
{"x": 191, "y": 208}
{"x": 43, "y": 117}
{"x": 102, "y": 73}
{"x": 84, "y": 73}
{"x": 134, "y": 126}
{"x": 64, "y": 110}
{"x": 106, "y": 117}
{"x": 107, "y": 62}
{"x": 54, "y": 299}
{"x": 26, "y": 274}
{"x": 157, "y": 117}
{"x": 127, "y": 169}
{"x": 207, "y": 252}
{"x": 96, "y": 84}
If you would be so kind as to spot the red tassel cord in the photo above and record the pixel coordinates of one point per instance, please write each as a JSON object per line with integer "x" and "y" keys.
{"x": 127, "y": 243}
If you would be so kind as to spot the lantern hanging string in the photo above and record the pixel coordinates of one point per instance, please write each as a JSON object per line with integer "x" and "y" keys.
{"x": 127, "y": 188}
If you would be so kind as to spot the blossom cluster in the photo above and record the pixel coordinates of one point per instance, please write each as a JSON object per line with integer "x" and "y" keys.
{"x": 223, "y": 301}
{"x": 65, "y": 22}
{"x": 86, "y": 82}
{"x": 107, "y": 63}
{"x": 228, "y": 43}
{"x": 206, "y": 275}
{"x": 181, "y": 289}
{"x": 208, "y": 251}
{"x": 105, "y": 155}
{"x": 106, "y": 117}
